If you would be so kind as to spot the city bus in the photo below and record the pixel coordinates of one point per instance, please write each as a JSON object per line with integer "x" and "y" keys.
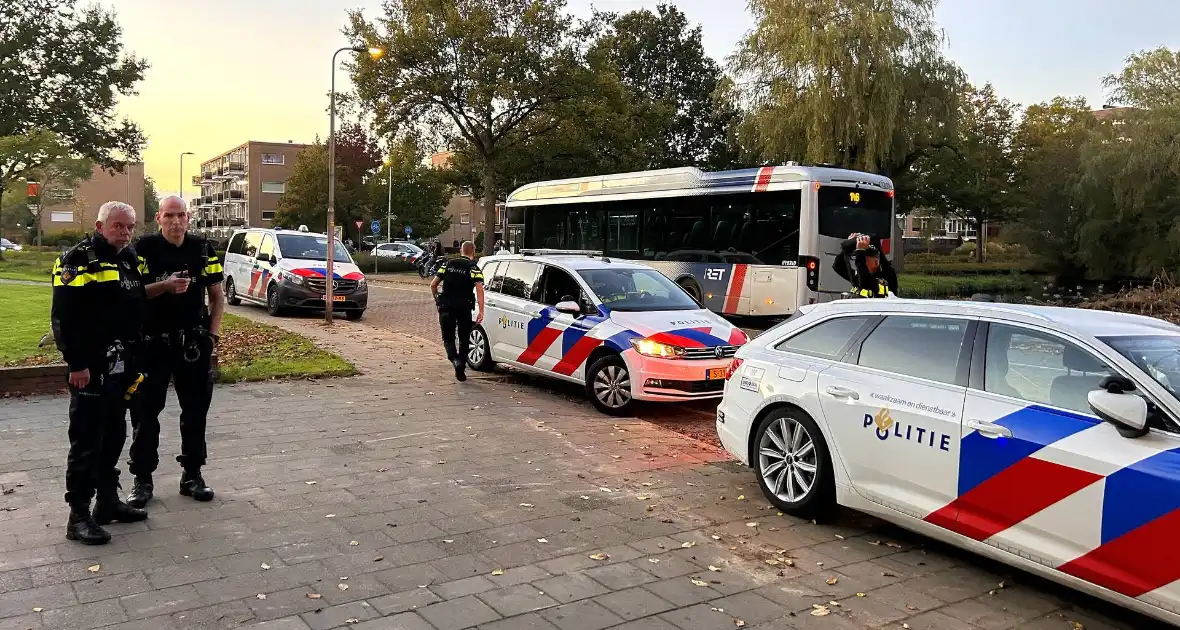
{"x": 754, "y": 242}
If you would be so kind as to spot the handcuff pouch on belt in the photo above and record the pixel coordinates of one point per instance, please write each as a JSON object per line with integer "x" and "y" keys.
{"x": 188, "y": 340}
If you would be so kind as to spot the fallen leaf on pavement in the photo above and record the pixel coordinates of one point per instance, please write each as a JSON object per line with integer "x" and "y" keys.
{"x": 820, "y": 611}
{"x": 893, "y": 544}
{"x": 448, "y": 540}
{"x": 329, "y": 516}
{"x": 839, "y": 536}
{"x": 1073, "y": 624}
{"x": 860, "y": 594}
{"x": 314, "y": 596}
{"x": 265, "y": 566}
{"x": 832, "y": 580}
{"x": 772, "y": 562}
{"x": 741, "y": 497}
{"x": 888, "y": 574}
{"x": 697, "y": 582}
{"x": 353, "y": 543}
{"x": 643, "y": 497}
{"x": 382, "y": 469}
{"x": 909, "y": 607}
{"x": 526, "y": 505}
{"x": 311, "y": 483}
{"x": 498, "y": 572}
{"x": 598, "y": 556}
{"x": 713, "y": 568}
{"x": 352, "y": 620}
{"x": 715, "y": 537}
{"x": 94, "y": 568}
{"x": 343, "y": 587}
{"x": 261, "y": 596}
{"x": 654, "y": 560}
{"x": 739, "y": 623}
{"x": 585, "y": 498}
{"x": 751, "y": 524}
{"x": 378, "y": 558}
{"x": 38, "y": 609}
{"x": 789, "y": 562}
{"x": 645, "y": 484}
{"x": 542, "y": 540}
{"x": 688, "y": 544}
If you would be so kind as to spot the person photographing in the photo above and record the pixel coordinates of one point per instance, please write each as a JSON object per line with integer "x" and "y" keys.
{"x": 862, "y": 264}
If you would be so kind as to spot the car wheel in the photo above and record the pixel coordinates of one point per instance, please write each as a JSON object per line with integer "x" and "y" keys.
{"x": 479, "y": 352}
{"x": 354, "y": 314}
{"x": 231, "y": 293}
{"x": 272, "y": 301}
{"x": 609, "y": 385}
{"x": 690, "y": 287}
{"x": 793, "y": 464}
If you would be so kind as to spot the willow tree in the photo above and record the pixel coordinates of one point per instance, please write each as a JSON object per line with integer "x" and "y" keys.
{"x": 483, "y": 74}
{"x": 860, "y": 84}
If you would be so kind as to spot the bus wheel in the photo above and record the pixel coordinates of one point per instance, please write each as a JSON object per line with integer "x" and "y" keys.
{"x": 691, "y": 287}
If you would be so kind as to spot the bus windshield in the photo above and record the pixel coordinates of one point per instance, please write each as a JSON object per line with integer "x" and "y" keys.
{"x": 637, "y": 290}
{"x": 844, "y": 211}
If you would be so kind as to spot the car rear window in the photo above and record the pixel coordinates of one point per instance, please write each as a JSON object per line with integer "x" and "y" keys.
{"x": 923, "y": 347}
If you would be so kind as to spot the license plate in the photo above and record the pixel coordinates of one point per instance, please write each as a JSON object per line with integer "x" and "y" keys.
{"x": 337, "y": 298}
{"x": 715, "y": 374}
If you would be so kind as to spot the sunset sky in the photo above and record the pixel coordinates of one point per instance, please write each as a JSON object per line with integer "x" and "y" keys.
{"x": 227, "y": 71}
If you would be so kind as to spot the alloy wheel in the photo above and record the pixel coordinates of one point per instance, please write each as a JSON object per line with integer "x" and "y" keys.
{"x": 787, "y": 460}
{"x": 612, "y": 386}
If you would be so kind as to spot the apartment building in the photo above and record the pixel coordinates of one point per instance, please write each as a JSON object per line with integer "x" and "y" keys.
{"x": 75, "y": 210}
{"x": 241, "y": 187}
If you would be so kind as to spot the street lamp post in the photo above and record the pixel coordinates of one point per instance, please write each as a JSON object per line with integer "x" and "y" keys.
{"x": 389, "y": 205}
{"x": 181, "y": 188}
{"x": 375, "y": 53}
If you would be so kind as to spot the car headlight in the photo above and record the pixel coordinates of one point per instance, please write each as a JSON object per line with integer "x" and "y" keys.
{"x": 655, "y": 349}
{"x": 362, "y": 284}
{"x": 294, "y": 279}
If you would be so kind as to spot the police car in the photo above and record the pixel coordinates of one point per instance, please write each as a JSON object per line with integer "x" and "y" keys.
{"x": 287, "y": 270}
{"x": 623, "y": 329}
{"x": 1043, "y": 437}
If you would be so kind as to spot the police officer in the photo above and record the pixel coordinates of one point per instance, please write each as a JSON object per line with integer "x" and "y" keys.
{"x": 97, "y": 320}
{"x": 462, "y": 288}
{"x": 180, "y": 339}
{"x": 860, "y": 263}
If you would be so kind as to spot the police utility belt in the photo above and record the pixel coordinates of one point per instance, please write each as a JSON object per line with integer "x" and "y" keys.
{"x": 882, "y": 291}
{"x": 186, "y": 338}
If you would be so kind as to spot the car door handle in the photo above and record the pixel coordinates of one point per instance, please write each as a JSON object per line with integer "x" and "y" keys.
{"x": 989, "y": 429}
{"x": 842, "y": 392}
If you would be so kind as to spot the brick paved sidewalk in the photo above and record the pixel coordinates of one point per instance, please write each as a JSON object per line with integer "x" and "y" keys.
{"x": 402, "y": 499}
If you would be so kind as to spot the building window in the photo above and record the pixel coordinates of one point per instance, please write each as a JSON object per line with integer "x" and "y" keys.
{"x": 268, "y": 215}
{"x": 464, "y": 219}
{"x": 61, "y": 217}
{"x": 273, "y": 187}
{"x": 272, "y": 158}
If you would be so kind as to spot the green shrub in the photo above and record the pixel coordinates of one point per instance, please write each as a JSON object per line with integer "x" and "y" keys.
{"x": 947, "y": 286}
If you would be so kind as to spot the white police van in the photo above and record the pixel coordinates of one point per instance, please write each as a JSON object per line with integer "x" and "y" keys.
{"x": 286, "y": 270}
{"x": 1046, "y": 438}
{"x": 623, "y": 329}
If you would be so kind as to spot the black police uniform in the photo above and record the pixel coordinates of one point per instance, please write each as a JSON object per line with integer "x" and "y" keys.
{"x": 851, "y": 266}
{"x": 459, "y": 277}
{"x": 97, "y": 320}
{"x": 178, "y": 347}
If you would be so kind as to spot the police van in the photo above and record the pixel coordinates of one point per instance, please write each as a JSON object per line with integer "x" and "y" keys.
{"x": 286, "y": 270}
{"x": 622, "y": 329}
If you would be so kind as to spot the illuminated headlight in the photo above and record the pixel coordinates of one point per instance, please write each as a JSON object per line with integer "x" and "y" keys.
{"x": 655, "y": 349}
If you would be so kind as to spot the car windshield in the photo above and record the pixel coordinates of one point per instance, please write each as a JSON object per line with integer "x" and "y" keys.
{"x": 637, "y": 290}
{"x": 311, "y": 247}
{"x": 1157, "y": 355}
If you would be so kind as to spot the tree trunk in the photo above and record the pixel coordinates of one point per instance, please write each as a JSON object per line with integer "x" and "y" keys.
{"x": 1, "y": 215}
{"x": 979, "y": 244}
{"x": 489, "y": 205}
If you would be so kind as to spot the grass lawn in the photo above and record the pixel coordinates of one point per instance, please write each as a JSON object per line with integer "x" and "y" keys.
{"x": 29, "y": 264}
{"x": 249, "y": 351}
{"x": 936, "y": 286}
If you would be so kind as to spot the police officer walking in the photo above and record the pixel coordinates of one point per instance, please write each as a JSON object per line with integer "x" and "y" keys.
{"x": 180, "y": 338}
{"x": 97, "y": 319}
{"x": 462, "y": 289}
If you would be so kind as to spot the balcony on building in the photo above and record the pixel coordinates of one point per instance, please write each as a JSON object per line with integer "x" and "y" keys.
{"x": 196, "y": 180}
{"x": 234, "y": 195}
{"x": 235, "y": 169}
{"x": 207, "y": 176}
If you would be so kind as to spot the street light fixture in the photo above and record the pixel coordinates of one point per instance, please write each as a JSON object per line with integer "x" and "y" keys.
{"x": 375, "y": 53}
{"x": 181, "y": 188}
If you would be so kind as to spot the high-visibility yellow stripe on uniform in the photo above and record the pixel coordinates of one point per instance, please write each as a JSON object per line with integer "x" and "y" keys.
{"x": 213, "y": 266}
{"x": 86, "y": 278}
{"x": 143, "y": 266}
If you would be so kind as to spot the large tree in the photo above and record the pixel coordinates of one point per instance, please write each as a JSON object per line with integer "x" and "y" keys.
{"x": 305, "y": 200}
{"x": 973, "y": 178}
{"x": 1048, "y": 148}
{"x": 671, "y": 82}
{"x": 858, "y": 83}
{"x": 485, "y": 73}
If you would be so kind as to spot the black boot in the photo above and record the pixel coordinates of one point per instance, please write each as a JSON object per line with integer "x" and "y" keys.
{"x": 141, "y": 492}
{"x": 192, "y": 485}
{"x": 82, "y": 528}
{"x": 460, "y": 366}
{"x": 109, "y": 508}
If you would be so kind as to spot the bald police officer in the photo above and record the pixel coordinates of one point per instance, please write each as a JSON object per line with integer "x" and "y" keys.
{"x": 462, "y": 289}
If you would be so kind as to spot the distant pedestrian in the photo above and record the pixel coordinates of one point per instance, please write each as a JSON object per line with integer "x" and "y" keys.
{"x": 181, "y": 337}
{"x": 97, "y": 320}
{"x": 462, "y": 291}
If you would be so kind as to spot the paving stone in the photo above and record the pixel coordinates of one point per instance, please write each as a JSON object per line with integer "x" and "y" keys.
{"x": 669, "y": 566}
{"x": 405, "y": 621}
{"x": 934, "y": 620}
{"x": 583, "y": 615}
{"x": 404, "y": 601}
{"x": 463, "y": 587}
{"x": 617, "y": 577}
{"x": 650, "y": 623}
{"x": 84, "y": 616}
{"x": 456, "y": 614}
{"x": 568, "y": 588}
{"x": 183, "y": 573}
{"x": 682, "y": 592}
{"x": 341, "y": 615}
{"x": 250, "y": 562}
{"x": 161, "y": 602}
{"x": 750, "y": 607}
{"x": 289, "y": 623}
{"x": 699, "y": 617}
{"x": 519, "y": 575}
{"x": 529, "y": 621}
{"x": 955, "y": 584}
{"x": 219, "y": 616}
{"x": 286, "y": 603}
{"x": 633, "y": 603}
{"x": 21, "y": 602}
{"x": 516, "y": 600}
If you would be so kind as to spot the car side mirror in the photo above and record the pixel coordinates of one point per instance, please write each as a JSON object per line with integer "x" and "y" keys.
{"x": 569, "y": 307}
{"x": 1127, "y": 412}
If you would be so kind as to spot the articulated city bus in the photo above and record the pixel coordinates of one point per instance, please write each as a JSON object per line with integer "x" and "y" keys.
{"x": 752, "y": 242}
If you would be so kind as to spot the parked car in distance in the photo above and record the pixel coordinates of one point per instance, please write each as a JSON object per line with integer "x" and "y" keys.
{"x": 8, "y": 246}
{"x": 397, "y": 249}
{"x": 1046, "y": 438}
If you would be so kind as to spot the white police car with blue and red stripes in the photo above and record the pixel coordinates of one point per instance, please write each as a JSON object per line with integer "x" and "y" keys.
{"x": 1047, "y": 438}
{"x": 623, "y": 329}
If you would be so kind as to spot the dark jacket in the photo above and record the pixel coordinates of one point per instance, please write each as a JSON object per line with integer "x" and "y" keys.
{"x": 850, "y": 265}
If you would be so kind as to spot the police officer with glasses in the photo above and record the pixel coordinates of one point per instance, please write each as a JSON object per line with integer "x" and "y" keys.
{"x": 181, "y": 336}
